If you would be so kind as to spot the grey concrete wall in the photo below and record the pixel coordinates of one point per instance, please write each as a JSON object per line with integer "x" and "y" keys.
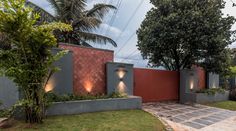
{"x": 113, "y": 80}
{"x": 85, "y": 106}
{"x": 62, "y": 81}
{"x": 205, "y": 98}
{"x": 9, "y": 94}
{"x": 212, "y": 80}
{"x": 187, "y": 77}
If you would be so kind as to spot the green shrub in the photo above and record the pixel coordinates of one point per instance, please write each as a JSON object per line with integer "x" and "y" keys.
{"x": 5, "y": 113}
{"x": 52, "y": 97}
{"x": 211, "y": 91}
{"x": 25, "y": 54}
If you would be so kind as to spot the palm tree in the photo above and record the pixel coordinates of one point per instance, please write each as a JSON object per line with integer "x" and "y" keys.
{"x": 83, "y": 21}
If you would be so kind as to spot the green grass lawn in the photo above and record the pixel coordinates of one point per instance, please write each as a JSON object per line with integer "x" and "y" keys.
{"x": 130, "y": 120}
{"x": 230, "y": 105}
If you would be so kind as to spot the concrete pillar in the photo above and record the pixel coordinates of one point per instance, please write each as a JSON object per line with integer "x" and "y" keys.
{"x": 119, "y": 78}
{"x": 212, "y": 80}
{"x": 188, "y": 83}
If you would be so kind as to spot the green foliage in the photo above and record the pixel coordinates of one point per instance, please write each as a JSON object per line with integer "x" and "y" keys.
{"x": 25, "y": 53}
{"x": 177, "y": 34}
{"x": 84, "y": 21}
{"x": 233, "y": 70}
{"x": 3, "y": 113}
{"x": 228, "y": 105}
{"x": 211, "y": 91}
{"x": 52, "y": 97}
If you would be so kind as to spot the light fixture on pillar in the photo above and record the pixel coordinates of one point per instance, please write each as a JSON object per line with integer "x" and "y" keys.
{"x": 121, "y": 71}
{"x": 191, "y": 85}
{"x": 191, "y": 82}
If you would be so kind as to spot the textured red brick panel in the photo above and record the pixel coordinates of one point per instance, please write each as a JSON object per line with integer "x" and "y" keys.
{"x": 89, "y": 69}
{"x": 156, "y": 85}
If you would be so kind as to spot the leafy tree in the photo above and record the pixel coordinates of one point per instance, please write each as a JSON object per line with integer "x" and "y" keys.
{"x": 25, "y": 54}
{"x": 177, "y": 34}
{"x": 83, "y": 21}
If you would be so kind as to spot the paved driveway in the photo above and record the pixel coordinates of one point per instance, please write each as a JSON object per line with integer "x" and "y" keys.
{"x": 190, "y": 118}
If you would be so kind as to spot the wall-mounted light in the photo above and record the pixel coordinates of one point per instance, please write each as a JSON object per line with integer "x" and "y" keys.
{"x": 121, "y": 71}
{"x": 191, "y": 85}
{"x": 191, "y": 81}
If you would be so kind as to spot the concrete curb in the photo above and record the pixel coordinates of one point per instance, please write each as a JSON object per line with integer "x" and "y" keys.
{"x": 86, "y": 106}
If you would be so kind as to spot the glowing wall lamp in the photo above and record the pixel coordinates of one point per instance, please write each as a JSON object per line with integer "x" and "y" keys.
{"x": 119, "y": 78}
{"x": 191, "y": 85}
{"x": 121, "y": 71}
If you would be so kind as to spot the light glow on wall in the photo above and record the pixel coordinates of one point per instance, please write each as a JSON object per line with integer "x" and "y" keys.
{"x": 191, "y": 84}
{"x": 49, "y": 87}
{"x": 121, "y": 87}
{"x": 88, "y": 86}
{"x": 121, "y": 72}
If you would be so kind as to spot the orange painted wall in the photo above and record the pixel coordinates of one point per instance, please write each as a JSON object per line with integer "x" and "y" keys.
{"x": 201, "y": 77}
{"x": 156, "y": 85}
{"x": 89, "y": 65}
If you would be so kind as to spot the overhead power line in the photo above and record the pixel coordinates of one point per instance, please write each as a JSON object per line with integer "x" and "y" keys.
{"x": 125, "y": 43}
{"x": 130, "y": 55}
{"x": 128, "y": 58}
{"x": 129, "y": 20}
{"x": 118, "y": 5}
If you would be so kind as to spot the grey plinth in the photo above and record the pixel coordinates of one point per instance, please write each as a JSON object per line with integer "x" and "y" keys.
{"x": 113, "y": 80}
{"x": 205, "y": 98}
{"x": 189, "y": 78}
{"x": 86, "y": 106}
{"x": 212, "y": 80}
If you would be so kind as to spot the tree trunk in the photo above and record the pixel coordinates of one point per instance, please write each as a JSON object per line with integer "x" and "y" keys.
{"x": 34, "y": 110}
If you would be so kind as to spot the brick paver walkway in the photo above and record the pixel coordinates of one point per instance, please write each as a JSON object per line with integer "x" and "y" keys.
{"x": 189, "y": 118}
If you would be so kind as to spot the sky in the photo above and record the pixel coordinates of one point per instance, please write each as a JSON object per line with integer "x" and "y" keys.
{"x": 127, "y": 20}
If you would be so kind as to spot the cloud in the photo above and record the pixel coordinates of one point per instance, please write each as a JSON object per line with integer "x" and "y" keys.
{"x": 43, "y": 4}
{"x": 91, "y": 3}
{"x": 113, "y": 31}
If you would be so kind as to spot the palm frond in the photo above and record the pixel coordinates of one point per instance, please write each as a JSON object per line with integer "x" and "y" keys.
{"x": 55, "y": 4}
{"x": 86, "y": 23}
{"x": 99, "y": 10}
{"x": 72, "y": 9}
{"x": 96, "y": 38}
{"x": 45, "y": 15}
